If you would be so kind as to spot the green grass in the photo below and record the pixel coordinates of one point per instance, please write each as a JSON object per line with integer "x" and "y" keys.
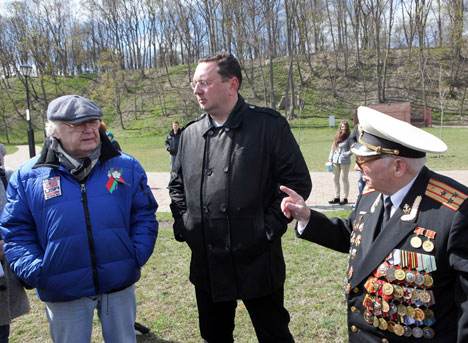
{"x": 166, "y": 301}
{"x": 315, "y": 144}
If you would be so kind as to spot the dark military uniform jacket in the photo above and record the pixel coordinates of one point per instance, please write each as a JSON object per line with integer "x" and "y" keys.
{"x": 226, "y": 200}
{"x": 410, "y": 283}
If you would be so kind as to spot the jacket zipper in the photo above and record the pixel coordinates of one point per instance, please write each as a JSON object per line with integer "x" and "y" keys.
{"x": 84, "y": 200}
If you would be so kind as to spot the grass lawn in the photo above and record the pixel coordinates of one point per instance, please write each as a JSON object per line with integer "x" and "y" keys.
{"x": 166, "y": 300}
{"x": 315, "y": 144}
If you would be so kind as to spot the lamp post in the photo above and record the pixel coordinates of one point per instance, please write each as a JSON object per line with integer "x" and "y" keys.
{"x": 26, "y": 70}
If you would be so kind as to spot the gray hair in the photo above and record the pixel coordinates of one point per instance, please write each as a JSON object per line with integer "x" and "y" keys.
{"x": 414, "y": 164}
{"x": 51, "y": 128}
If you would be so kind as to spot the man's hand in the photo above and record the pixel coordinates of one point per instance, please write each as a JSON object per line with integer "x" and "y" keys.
{"x": 295, "y": 206}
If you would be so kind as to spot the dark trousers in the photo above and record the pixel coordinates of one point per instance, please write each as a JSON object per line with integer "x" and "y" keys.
{"x": 4, "y": 333}
{"x": 269, "y": 318}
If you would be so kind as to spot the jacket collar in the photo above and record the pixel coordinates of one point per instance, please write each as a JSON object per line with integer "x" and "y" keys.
{"x": 234, "y": 119}
{"x": 397, "y": 230}
{"x": 50, "y": 160}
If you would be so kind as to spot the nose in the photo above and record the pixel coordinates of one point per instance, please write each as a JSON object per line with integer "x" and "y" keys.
{"x": 197, "y": 89}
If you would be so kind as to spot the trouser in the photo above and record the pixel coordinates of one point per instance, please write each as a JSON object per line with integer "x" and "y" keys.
{"x": 72, "y": 321}
{"x": 343, "y": 171}
{"x": 4, "y": 333}
{"x": 269, "y": 318}
{"x": 172, "y": 157}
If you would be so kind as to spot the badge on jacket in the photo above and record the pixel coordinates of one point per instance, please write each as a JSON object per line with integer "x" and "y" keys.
{"x": 51, "y": 187}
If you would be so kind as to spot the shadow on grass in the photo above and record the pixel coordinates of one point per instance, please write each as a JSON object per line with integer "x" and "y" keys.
{"x": 151, "y": 338}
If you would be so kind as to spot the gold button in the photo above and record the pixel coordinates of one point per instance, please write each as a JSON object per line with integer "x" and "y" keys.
{"x": 354, "y": 328}
{"x": 355, "y": 289}
{"x": 384, "y": 340}
{"x": 354, "y": 309}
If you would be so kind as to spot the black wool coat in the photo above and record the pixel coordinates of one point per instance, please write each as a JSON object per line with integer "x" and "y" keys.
{"x": 226, "y": 200}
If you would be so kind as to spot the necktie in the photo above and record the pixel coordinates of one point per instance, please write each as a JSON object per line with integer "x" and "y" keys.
{"x": 387, "y": 211}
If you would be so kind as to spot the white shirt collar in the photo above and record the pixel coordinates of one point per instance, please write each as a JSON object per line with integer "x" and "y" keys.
{"x": 399, "y": 195}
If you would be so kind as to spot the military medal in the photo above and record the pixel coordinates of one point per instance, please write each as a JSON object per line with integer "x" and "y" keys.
{"x": 419, "y": 279}
{"x": 428, "y": 332}
{"x": 368, "y": 317}
{"x": 428, "y": 280}
{"x": 416, "y": 241}
{"x": 385, "y": 306}
{"x": 417, "y": 332}
{"x": 387, "y": 289}
{"x": 400, "y": 274}
{"x": 410, "y": 312}
{"x": 391, "y": 274}
{"x": 398, "y": 330}
{"x": 428, "y": 245}
{"x": 428, "y": 313}
{"x": 401, "y": 310}
{"x": 407, "y": 332}
{"x": 383, "y": 324}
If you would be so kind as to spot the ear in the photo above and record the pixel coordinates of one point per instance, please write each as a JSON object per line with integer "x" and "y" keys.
{"x": 399, "y": 167}
{"x": 233, "y": 86}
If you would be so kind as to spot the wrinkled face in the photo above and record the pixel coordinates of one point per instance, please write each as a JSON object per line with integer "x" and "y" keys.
{"x": 376, "y": 172}
{"x": 211, "y": 91}
{"x": 79, "y": 140}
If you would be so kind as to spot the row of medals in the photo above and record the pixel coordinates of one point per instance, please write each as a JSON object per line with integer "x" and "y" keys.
{"x": 396, "y": 291}
{"x": 378, "y": 304}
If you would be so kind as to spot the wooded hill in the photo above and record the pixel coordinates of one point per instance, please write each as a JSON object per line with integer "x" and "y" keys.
{"x": 145, "y": 102}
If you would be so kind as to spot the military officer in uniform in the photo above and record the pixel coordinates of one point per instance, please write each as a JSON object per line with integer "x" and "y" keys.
{"x": 407, "y": 239}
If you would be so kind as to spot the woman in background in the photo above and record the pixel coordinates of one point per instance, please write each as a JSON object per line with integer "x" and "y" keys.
{"x": 340, "y": 156}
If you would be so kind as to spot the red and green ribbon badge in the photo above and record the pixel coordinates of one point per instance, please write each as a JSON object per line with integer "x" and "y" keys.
{"x": 115, "y": 176}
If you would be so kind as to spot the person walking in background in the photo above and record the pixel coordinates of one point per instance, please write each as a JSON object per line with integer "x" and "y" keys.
{"x": 407, "y": 277}
{"x": 13, "y": 299}
{"x": 340, "y": 156}
{"x": 225, "y": 197}
{"x": 172, "y": 141}
{"x": 79, "y": 223}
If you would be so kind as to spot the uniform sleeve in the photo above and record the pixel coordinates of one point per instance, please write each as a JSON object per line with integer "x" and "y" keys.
{"x": 290, "y": 170}
{"x": 144, "y": 226}
{"x": 458, "y": 259}
{"x": 22, "y": 246}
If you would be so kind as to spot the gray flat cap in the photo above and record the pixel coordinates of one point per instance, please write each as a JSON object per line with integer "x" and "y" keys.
{"x": 73, "y": 109}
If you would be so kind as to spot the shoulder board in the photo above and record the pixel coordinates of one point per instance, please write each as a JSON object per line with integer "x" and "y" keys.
{"x": 266, "y": 110}
{"x": 367, "y": 191}
{"x": 194, "y": 121}
{"x": 445, "y": 194}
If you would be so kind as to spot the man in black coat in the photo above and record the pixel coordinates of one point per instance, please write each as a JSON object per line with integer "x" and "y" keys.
{"x": 226, "y": 203}
{"x": 407, "y": 278}
{"x": 172, "y": 141}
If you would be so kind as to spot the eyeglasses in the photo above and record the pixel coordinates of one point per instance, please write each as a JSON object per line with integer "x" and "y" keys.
{"x": 93, "y": 124}
{"x": 202, "y": 84}
{"x": 361, "y": 162}
{"x": 205, "y": 84}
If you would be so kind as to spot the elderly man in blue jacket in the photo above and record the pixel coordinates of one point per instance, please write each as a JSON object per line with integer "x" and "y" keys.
{"x": 79, "y": 224}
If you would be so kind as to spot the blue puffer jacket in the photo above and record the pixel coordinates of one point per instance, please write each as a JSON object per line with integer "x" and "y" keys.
{"x": 71, "y": 240}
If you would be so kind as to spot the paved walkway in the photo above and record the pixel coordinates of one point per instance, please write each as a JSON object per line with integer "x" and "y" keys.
{"x": 322, "y": 183}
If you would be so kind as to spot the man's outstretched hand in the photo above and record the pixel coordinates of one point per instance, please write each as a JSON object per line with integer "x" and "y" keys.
{"x": 294, "y": 206}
